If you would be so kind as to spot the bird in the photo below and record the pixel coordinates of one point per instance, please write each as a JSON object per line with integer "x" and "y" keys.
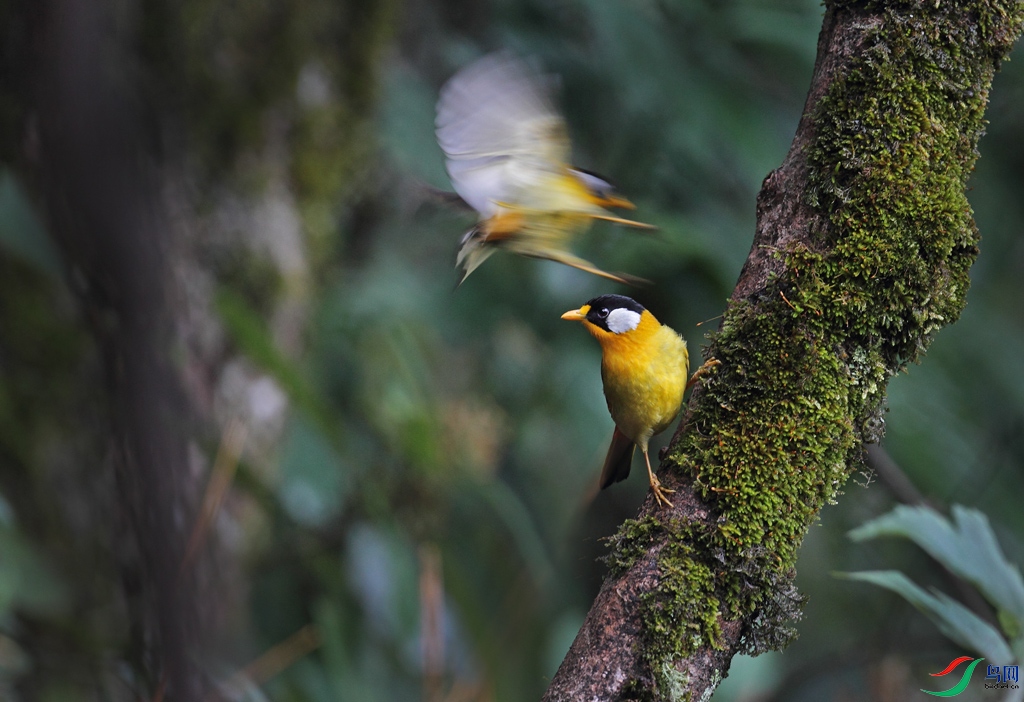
{"x": 506, "y": 151}
{"x": 644, "y": 368}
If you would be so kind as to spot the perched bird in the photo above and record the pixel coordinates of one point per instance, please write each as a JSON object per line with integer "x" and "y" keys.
{"x": 644, "y": 366}
{"x": 507, "y": 151}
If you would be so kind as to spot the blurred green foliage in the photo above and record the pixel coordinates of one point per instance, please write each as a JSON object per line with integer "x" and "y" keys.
{"x": 966, "y": 547}
{"x": 405, "y": 416}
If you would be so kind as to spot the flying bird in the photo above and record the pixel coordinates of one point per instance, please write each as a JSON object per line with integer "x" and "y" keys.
{"x": 507, "y": 152}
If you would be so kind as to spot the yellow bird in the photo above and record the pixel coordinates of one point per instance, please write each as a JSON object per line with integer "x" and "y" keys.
{"x": 507, "y": 151}
{"x": 644, "y": 366}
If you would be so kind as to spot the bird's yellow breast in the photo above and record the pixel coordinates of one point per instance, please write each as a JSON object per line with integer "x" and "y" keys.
{"x": 645, "y": 372}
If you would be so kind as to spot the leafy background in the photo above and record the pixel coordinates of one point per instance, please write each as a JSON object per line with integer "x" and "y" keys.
{"x": 414, "y": 450}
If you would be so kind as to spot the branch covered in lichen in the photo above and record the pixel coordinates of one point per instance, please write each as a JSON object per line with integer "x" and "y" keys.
{"x": 863, "y": 248}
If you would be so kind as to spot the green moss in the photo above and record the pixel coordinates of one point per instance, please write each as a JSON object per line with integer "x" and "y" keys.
{"x": 780, "y": 425}
{"x": 632, "y": 540}
{"x": 634, "y": 691}
{"x": 683, "y": 611}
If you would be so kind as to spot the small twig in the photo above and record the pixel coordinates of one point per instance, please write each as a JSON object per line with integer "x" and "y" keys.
{"x": 431, "y": 620}
{"x": 717, "y": 316}
{"x": 161, "y": 688}
{"x": 223, "y": 472}
{"x": 786, "y": 300}
{"x": 279, "y": 657}
{"x": 892, "y": 476}
{"x": 702, "y": 371}
{"x": 273, "y": 661}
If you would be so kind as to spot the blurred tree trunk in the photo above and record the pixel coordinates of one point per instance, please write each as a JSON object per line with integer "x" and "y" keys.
{"x": 102, "y": 194}
{"x": 131, "y": 124}
{"x": 863, "y": 246}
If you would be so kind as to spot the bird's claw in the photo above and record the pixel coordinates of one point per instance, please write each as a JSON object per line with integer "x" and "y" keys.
{"x": 700, "y": 372}
{"x": 660, "y": 491}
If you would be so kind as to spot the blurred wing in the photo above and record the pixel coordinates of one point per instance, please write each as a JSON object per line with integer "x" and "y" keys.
{"x": 500, "y": 131}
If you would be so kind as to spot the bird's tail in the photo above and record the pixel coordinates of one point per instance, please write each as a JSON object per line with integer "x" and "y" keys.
{"x": 618, "y": 460}
{"x": 472, "y": 252}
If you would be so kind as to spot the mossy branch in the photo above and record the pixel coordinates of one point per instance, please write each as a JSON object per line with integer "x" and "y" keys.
{"x": 863, "y": 248}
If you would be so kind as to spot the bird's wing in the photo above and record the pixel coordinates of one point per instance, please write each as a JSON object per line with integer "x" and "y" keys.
{"x": 500, "y": 131}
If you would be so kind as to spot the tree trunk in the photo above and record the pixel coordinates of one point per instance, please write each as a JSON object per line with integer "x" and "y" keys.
{"x": 105, "y": 210}
{"x": 863, "y": 247}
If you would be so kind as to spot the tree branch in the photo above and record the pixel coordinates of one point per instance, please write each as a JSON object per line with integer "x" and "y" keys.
{"x": 862, "y": 251}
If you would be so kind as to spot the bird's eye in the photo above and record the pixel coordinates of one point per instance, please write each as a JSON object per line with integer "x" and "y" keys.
{"x": 603, "y": 314}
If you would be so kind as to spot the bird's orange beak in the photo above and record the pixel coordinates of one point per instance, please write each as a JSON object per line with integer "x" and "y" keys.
{"x": 577, "y": 315}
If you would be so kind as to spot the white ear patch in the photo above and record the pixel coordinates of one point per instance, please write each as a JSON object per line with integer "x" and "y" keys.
{"x": 622, "y": 320}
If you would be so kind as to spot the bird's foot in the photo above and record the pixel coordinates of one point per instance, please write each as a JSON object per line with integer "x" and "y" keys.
{"x": 660, "y": 492}
{"x": 702, "y": 371}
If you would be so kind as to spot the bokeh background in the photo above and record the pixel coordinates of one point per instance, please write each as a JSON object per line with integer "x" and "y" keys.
{"x": 416, "y": 491}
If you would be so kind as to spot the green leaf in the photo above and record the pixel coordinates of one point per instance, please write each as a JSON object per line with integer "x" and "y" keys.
{"x": 516, "y": 517}
{"x": 967, "y": 548}
{"x": 953, "y": 619}
{"x": 314, "y": 484}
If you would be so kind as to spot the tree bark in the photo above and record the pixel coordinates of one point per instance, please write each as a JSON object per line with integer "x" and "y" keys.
{"x": 862, "y": 251}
